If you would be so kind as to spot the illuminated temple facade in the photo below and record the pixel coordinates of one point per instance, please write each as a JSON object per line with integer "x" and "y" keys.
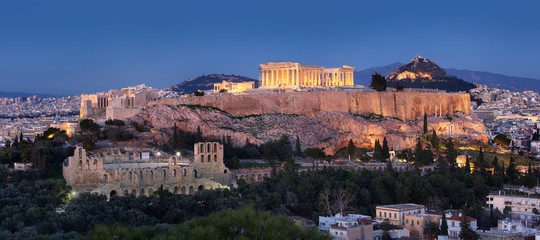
{"x": 291, "y": 75}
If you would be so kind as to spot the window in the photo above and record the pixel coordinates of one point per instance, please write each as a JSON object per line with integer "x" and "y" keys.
{"x": 453, "y": 224}
{"x": 417, "y": 222}
{"x": 407, "y": 221}
{"x": 384, "y": 214}
{"x": 95, "y": 164}
{"x": 202, "y": 158}
{"x": 323, "y": 224}
{"x": 395, "y": 216}
{"x": 87, "y": 165}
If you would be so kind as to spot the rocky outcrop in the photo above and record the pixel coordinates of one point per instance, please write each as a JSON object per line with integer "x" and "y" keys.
{"x": 423, "y": 73}
{"x": 327, "y": 130}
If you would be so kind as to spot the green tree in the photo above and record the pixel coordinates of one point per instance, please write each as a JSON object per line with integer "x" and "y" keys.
{"x": 198, "y": 135}
{"x": 444, "y": 225}
{"x": 495, "y": 164}
{"x": 298, "y": 152}
{"x": 378, "y": 82}
{"x": 385, "y": 149}
{"x": 386, "y": 226}
{"x": 435, "y": 143}
{"x": 480, "y": 163}
{"x": 88, "y": 125}
{"x": 466, "y": 232}
{"x": 467, "y": 164}
{"x": 511, "y": 170}
{"x": 351, "y": 149}
{"x": 502, "y": 140}
{"x": 377, "y": 150}
{"x": 451, "y": 154}
{"x": 425, "y": 124}
{"x": 234, "y": 162}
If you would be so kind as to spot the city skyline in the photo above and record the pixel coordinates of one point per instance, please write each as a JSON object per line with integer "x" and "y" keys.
{"x": 71, "y": 48}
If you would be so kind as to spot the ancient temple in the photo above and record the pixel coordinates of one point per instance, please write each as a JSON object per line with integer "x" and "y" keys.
{"x": 291, "y": 75}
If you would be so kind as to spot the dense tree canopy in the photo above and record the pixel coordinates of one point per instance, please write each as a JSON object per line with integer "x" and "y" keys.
{"x": 378, "y": 82}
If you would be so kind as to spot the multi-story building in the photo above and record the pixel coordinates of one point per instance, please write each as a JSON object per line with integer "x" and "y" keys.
{"x": 396, "y": 213}
{"x": 418, "y": 223}
{"x": 454, "y": 227}
{"x": 509, "y": 230}
{"x": 142, "y": 171}
{"x": 347, "y": 226}
{"x": 524, "y": 208}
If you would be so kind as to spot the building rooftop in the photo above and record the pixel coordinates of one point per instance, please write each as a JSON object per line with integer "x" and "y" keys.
{"x": 459, "y": 218}
{"x": 402, "y": 206}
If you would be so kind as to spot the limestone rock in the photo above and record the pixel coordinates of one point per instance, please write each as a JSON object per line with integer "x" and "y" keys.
{"x": 327, "y": 130}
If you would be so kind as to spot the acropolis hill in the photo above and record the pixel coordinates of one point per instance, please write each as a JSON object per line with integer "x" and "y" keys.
{"x": 401, "y": 105}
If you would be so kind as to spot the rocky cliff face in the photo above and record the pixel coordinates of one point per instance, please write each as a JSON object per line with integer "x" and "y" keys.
{"x": 327, "y": 130}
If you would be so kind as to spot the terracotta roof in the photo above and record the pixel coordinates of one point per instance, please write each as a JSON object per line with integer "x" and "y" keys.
{"x": 460, "y": 218}
{"x": 365, "y": 220}
{"x": 434, "y": 212}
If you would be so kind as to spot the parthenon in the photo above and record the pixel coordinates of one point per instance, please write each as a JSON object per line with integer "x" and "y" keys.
{"x": 290, "y": 75}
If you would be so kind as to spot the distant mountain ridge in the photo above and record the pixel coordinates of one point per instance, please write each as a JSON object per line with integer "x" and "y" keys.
{"x": 363, "y": 77}
{"x": 498, "y": 80}
{"x": 24, "y": 94}
{"x": 206, "y": 82}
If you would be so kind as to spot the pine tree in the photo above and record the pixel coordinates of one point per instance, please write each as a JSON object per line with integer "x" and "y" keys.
{"x": 425, "y": 123}
{"x": 385, "y": 149}
{"x": 378, "y": 82}
{"x": 377, "y": 151}
{"x": 467, "y": 164}
{"x": 529, "y": 171}
{"x": 502, "y": 170}
{"x": 435, "y": 143}
{"x": 451, "y": 154}
{"x": 389, "y": 166}
{"x": 495, "y": 164}
{"x": 444, "y": 225}
{"x": 466, "y": 232}
{"x": 198, "y": 135}
{"x": 511, "y": 170}
{"x": 480, "y": 163}
{"x": 351, "y": 149}
{"x": 297, "y": 147}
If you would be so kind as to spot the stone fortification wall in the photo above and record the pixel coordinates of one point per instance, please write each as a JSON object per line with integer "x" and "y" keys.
{"x": 402, "y": 105}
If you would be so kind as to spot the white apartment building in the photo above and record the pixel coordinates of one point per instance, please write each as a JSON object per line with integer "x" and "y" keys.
{"x": 524, "y": 208}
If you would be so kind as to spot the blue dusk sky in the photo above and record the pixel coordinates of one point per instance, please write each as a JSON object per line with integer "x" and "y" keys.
{"x": 72, "y": 47}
